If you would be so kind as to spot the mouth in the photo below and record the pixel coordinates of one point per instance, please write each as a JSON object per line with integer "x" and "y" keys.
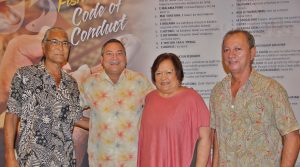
{"x": 59, "y": 54}
{"x": 114, "y": 63}
{"x": 232, "y": 62}
{"x": 164, "y": 83}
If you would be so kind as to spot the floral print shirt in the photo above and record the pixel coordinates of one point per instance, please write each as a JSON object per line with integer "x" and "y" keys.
{"x": 47, "y": 115}
{"x": 115, "y": 111}
{"x": 250, "y": 126}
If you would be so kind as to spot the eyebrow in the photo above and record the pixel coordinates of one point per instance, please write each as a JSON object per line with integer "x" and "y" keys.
{"x": 117, "y": 50}
{"x": 65, "y": 40}
{"x": 165, "y": 70}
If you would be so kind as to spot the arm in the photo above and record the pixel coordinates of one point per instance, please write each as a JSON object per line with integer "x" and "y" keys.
{"x": 203, "y": 149}
{"x": 83, "y": 123}
{"x": 291, "y": 146}
{"x": 10, "y": 128}
{"x": 215, "y": 159}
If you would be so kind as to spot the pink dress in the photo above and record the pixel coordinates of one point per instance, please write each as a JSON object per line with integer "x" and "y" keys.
{"x": 170, "y": 128}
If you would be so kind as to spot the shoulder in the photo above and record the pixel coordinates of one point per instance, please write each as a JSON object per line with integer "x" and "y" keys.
{"x": 221, "y": 85}
{"x": 100, "y": 75}
{"x": 70, "y": 78}
{"x": 191, "y": 94}
{"x": 152, "y": 94}
{"x": 28, "y": 70}
{"x": 136, "y": 76}
{"x": 189, "y": 91}
{"x": 265, "y": 83}
{"x": 220, "y": 90}
{"x": 134, "y": 73}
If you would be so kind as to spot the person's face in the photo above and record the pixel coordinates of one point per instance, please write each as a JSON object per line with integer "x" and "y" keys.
{"x": 237, "y": 55}
{"x": 166, "y": 80}
{"x": 113, "y": 59}
{"x": 56, "y": 48}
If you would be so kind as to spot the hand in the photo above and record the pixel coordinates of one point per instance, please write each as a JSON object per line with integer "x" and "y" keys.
{"x": 11, "y": 162}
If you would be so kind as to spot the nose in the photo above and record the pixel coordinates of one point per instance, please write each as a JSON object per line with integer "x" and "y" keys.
{"x": 60, "y": 47}
{"x": 164, "y": 75}
{"x": 231, "y": 53}
{"x": 114, "y": 56}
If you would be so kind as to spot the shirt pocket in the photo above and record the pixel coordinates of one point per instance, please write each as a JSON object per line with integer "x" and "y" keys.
{"x": 259, "y": 109}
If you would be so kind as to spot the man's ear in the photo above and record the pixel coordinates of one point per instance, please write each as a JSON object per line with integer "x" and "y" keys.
{"x": 69, "y": 53}
{"x": 43, "y": 47}
{"x": 101, "y": 59}
{"x": 253, "y": 53}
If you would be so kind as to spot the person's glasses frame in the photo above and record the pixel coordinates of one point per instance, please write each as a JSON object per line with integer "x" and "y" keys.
{"x": 55, "y": 42}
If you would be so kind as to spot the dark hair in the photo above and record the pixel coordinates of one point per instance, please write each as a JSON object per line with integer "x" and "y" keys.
{"x": 175, "y": 61}
{"x": 249, "y": 36}
{"x": 112, "y": 41}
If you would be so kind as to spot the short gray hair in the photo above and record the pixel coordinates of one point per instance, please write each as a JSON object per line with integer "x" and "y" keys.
{"x": 249, "y": 36}
{"x": 53, "y": 29}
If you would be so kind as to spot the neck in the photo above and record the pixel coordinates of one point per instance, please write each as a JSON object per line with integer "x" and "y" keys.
{"x": 171, "y": 93}
{"x": 238, "y": 80}
{"x": 241, "y": 77}
{"x": 54, "y": 70}
{"x": 114, "y": 78}
{"x": 52, "y": 67}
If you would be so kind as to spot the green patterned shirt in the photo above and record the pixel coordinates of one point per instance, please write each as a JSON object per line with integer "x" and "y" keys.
{"x": 251, "y": 125}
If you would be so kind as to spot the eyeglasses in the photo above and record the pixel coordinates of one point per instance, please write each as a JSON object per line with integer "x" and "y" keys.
{"x": 55, "y": 42}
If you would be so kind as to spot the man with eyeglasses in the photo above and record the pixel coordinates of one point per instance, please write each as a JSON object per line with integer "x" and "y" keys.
{"x": 115, "y": 96}
{"x": 45, "y": 100}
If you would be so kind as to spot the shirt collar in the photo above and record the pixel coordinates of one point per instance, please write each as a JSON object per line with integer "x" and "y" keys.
{"x": 122, "y": 76}
{"x": 253, "y": 77}
{"x": 41, "y": 66}
{"x": 252, "y": 80}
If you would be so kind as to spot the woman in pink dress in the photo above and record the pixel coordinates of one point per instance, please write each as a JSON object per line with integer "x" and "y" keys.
{"x": 174, "y": 118}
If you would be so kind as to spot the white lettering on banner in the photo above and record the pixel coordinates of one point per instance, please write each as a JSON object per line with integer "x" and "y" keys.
{"x": 106, "y": 27}
{"x": 85, "y": 15}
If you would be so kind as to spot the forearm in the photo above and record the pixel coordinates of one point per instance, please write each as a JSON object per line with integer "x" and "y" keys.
{"x": 215, "y": 159}
{"x": 83, "y": 123}
{"x": 203, "y": 149}
{"x": 290, "y": 151}
{"x": 10, "y": 127}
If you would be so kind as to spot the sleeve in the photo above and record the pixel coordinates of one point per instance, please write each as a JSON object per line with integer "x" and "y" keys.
{"x": 78, "y": 108}
{"x": 81, "y": 73}
{"x": 203, "y": 115}
{"x": 14, "y": 103}
{"x": 284, "y": 116}
{"x": 212, "y": 111}
{"x": 82, "y": 97}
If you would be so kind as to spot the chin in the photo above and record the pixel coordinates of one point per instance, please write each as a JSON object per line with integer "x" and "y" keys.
{"x": 163, "y": 89}
{"x": 233, "y": 68}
